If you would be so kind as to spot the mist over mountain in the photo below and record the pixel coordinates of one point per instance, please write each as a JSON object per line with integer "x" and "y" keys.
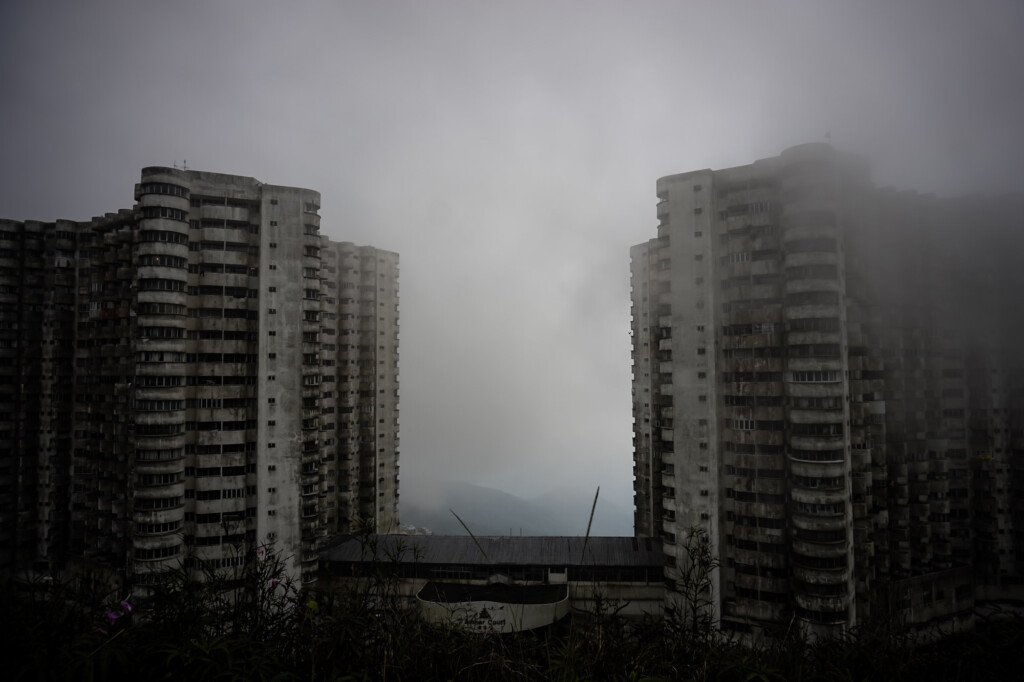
{"x": 488, "y": 511}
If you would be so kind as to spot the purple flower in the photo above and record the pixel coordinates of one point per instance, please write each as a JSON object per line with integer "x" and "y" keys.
{"x": 128, "y": 608}
{"x": 114, "y": 615}
{"x": 260, "y": 552}
{"x": 273, "y": 582}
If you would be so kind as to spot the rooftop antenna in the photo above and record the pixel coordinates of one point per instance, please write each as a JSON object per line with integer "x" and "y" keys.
{"x": 184, "y": 164}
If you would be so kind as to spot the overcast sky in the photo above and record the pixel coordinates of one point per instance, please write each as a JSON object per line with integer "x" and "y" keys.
{"x": 509, "y": 152}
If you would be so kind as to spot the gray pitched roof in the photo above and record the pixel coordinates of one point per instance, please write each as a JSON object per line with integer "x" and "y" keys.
{"x": 499, "y": 550}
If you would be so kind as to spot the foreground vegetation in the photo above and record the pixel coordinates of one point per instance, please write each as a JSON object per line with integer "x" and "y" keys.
{"x": 192, "y": 631}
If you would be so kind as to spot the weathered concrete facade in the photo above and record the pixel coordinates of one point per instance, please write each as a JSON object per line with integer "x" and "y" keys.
{"x": 198, "y": 419}
{"x": 824, "y": 382}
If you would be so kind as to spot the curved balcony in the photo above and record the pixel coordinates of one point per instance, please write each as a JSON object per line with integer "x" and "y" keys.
{"x": 168, "y": 225}
{"x": 814, "y": 337}
{"x": 156, "y": 542}
{"x": 160, "y": 492}
{"x": 823, "y": 469}
{"x": 817, "y": 521}
{"x": 795, "y": 286}
{"x": 171, "y": 301}
{"x": 155, "y": 516}
{"x": 829, "y": 443}
{"x": 820, "y": 577}
{"x": 798, "y": 416}
{"x": 796, "y": 259}
{"x": 160, "y": 393}
{"x": 156, "y": 468}
{"x": 142, "y": 567}
{"x": 823, "y": 605}
{"x": 819, "y": 550}
{"x": 818, "y": 496}
{"x": 162, "y": 418}
{"x": 796, "y": 312}
{"x": 161, "y": 271}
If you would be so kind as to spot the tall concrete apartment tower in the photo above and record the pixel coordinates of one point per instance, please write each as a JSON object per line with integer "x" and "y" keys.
{"x": 825, "y": 389}
{"x": 208, "y": 374}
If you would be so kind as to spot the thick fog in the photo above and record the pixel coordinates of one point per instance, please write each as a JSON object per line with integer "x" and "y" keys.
{"x": 508, "y": 151}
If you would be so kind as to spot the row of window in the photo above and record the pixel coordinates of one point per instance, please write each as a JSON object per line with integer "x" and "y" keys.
{"x": 755, "y": 473}
{"x": 223, "y": 494}
{"x": 157, "y": 528}
{"x": 751, "y": 377}
{"x": 158, "y": 308}
{"x": 159, "y": 429}
{"x": 820, "y": 508}
{"x": 221, "y": 448}
{"x": 754, "y": 425}
{"x": 817, "y": 455}
{"x": 748, "y": 230}
{"x": 229, "y": 380}
{"x": 177, "y": 356}
{"x": 163, "y": 188}
{"x": 746, "y": 209}
{"x": 156, "y": 503}
{"x": 814, "y": 350}
{"x": 224, "y": 224}
{"x": 237, "y": 247}
{"x": 755, "y": 522}
{"x": 749, "y": 496}
{"x": 818, "y": 376}
{"x": 208, "y": 200}
{"x": 157, "y": 405}
{"x": 159, "y": 454}
{"x": 161, "y": 284}
{"x": 819, "y": 482}
{"x": 159, "y": 479}
{"x": 161, "y": 332}
{"x": 751, "y": 448}
{"x": 147, "y": 212}
{"x": 214, "y": 403}
{"x": 215, "y": 540}
{"x": 222, "y": 313}
{"x": 746, "y": 256}
{"x": 759, "y": 352}
{"x": 755, "y": 328}
{"x": 214, "y": 290}
{"x": 206, "y": 268}
{"x": 159, "y": 260}
{"x": 239, "y": 425}
{"x": 206, "y": 472}
{"x": 814, "y": 324}
{"x": 837, "y": 535}
{"x": 827, "y": 429}
{"x": 752, "y": 401}
{"x": 158, "y": 553}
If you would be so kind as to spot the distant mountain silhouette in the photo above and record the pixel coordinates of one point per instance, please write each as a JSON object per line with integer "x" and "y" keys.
{"x": 488, "y": 511}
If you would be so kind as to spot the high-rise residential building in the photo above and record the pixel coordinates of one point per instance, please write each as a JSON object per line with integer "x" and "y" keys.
{"x": 193, "y": 378}
{"x": 828, "y": 390}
